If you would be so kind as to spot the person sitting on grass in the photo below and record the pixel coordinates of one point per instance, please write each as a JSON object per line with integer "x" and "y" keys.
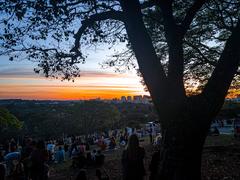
{"x": 82, "y": 175}
{"x": 93, "y": 154}
{"x": 10, "y": 158}
{"x": 99, "y": 158}
{"x": 60, "y": 155}
{"x": 99, "y": 175}
{"x": 90, "y": 162}
{"x": 112, "y": 144}
{"x": 79, "y": 161}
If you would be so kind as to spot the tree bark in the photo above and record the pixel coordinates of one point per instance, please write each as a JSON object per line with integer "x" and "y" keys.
{"x": 180, "y": 163}
{"x": 184, "y": 133}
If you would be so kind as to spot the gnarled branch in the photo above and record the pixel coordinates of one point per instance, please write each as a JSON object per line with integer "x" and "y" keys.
{"x": 115, "y": 15}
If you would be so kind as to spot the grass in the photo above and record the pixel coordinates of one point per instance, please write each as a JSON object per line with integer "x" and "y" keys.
{"x": 221, "y": 140}
{"x": 63, "y": 171}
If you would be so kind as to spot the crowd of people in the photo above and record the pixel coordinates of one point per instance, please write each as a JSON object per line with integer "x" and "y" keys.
{"x": 30, "y": 159}
{"x": 24, "y": 162}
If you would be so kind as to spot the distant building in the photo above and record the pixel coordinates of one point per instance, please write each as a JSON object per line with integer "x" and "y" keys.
{"x": 115, "y": 100}
{"x": 137, "y": 99}
{"x": 129, "y": 99}
{"x": 123, "y": 99}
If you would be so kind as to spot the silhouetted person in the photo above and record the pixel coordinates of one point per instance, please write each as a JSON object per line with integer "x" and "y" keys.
{"x": 93, "y": 154}
{"x": 99, "y": 175}
{"x": 18, "y": 172}
{"x": 39, "y": 156}
{"x": 82, "y": 175}
{"x": 1, "y": 156}
{"x": 26, "y": 152}
{"x": 150, "y": 135}
{"x": 2, "y": 171}
{"x": 87, "y": 146}
{"x": 90, "y": 161}
{"x": 79, "y": 161}
{"x": 11, "y": 159}
{"x": 153, "y": 167}
{"x": 112, "y": 143}
{"x": 99, "y": 158}
{"x": 60, "y": 155}
{"x": 132, "y": 160}
{"x": 12, "y": 144}
{"x": 216, "y": 131}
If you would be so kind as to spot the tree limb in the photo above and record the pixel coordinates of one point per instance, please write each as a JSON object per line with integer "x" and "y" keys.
{"x": 147, "y": 4}
{"x": 204, "y": 58}
{"x": 227, "y": 67}
{"x": 174, "y": 41}
{"x": 190, "y": 15}
{"x": 141, "y": 43}
{"x": 115, "y": 15}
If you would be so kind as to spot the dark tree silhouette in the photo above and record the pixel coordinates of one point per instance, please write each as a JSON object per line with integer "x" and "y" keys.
{"x": 174, "y": 42}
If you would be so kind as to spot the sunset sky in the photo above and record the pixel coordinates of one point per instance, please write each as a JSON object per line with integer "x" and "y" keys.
{"x": 18, "y": 81}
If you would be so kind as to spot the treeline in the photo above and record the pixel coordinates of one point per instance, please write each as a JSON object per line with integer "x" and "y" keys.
{"x": 55, "y": 120}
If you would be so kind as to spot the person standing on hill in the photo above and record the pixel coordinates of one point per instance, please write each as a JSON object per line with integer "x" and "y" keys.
{"x": 132, "y": 160}
{"x": 39, "y": 157}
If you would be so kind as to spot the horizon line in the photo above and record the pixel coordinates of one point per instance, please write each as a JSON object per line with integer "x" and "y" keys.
{"x": 70, "y": 99}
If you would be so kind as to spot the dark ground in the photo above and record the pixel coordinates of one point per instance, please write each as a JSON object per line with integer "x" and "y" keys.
{"x": 220, "y": 161}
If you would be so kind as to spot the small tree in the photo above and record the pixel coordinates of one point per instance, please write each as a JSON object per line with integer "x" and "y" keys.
{"x": 175, "y": 43}
{"x": 9, "y": 124}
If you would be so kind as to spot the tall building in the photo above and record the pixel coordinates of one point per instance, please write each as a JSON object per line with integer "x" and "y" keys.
{"x": 129, "y": 99}
{"x": 137, "y": 99}
{"x": 123, "y": 99}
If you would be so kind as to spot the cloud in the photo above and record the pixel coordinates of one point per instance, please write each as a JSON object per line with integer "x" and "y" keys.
{"x": 24, "y": 72}
{"x": 98, "y": 74}
{"x": 16, "y": 72}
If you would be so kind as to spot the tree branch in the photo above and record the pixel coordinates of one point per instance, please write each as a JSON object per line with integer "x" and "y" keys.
{"x": 227, "y": 66}
{"x": 115, "y": 15}
{"x": 190, "y": 15}
{"x": 174, "y": 41}
{"x": 141, "y": 43}
{"x": 147, "y": 4}
{"x": 203, "y": 57}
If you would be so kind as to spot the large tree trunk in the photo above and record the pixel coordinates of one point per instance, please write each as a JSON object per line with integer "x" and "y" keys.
{"x": 180, "y": 162}
{"x": 185, "y": 128}
{"x": 180, "y": 156}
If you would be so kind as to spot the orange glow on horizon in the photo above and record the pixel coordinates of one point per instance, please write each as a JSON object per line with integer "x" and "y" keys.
{"x": 102, "y": 86}
{"x": 67, "y": 93}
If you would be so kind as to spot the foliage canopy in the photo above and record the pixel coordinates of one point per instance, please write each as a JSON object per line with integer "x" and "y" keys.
{"x": 8, "y": 120}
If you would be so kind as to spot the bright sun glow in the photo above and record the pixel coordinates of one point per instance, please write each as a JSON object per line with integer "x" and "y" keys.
{"x": 89, "y": 86}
